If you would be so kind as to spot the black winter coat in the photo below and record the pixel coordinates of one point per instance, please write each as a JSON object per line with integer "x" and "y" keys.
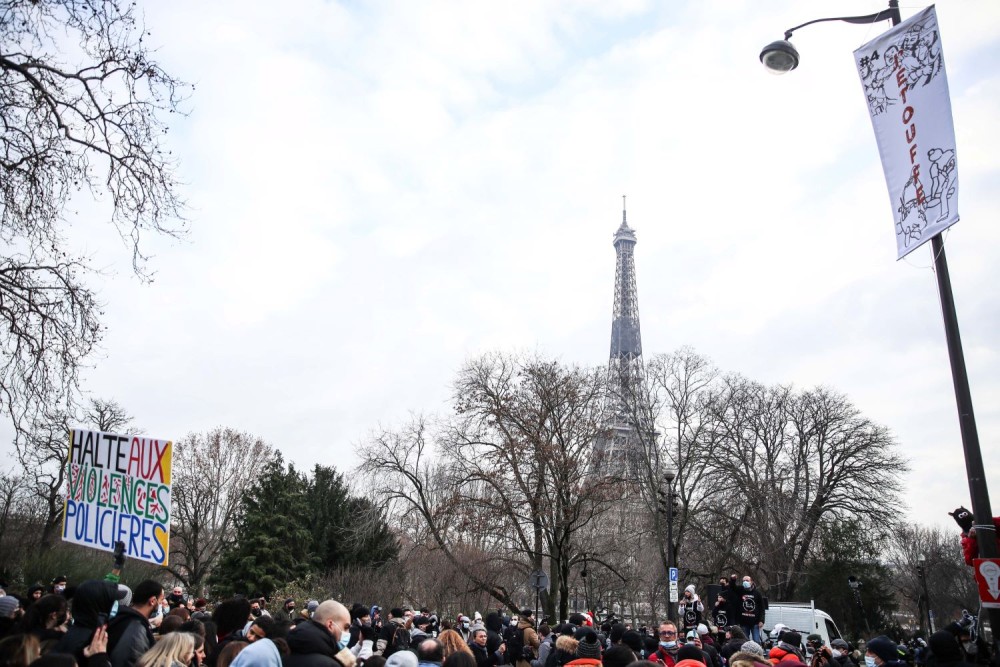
{"x": 483, "y": 657}
{"x": 311, "y": 645}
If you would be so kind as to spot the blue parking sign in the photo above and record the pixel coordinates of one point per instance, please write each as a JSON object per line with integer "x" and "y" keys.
{"x": 673, "y": 574}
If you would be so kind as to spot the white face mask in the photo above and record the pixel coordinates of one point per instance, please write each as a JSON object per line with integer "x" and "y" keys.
{"x": 836, "y": 653}
{"x": 869, "y": 661}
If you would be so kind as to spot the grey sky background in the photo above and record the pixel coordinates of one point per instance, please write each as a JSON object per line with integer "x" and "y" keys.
{"x": 381, "y": 190}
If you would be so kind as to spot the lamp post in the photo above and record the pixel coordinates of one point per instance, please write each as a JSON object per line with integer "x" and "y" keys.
{"x": 780, "y": 57}
{"x": 855, "y": 585}
{"x": 922, "y": 573}
{"x": 667, "y": 502}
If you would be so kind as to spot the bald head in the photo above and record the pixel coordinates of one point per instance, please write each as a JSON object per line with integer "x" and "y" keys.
{"x": 331, "y": 610}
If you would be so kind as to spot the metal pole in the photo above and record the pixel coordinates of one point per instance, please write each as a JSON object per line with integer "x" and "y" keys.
{"x": 537, "y": 593}
{"x": 671, "y": 612}
{"x": 978, "y": 490}
{"x": 922, "y": 570}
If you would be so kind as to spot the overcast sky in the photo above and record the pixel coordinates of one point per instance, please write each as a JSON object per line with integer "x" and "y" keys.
{"x": 380, "y": 190}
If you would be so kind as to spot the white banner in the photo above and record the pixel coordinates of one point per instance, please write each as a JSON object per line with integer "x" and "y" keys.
{"x": 903, "y": 75}
{"x": 118, "y": 490}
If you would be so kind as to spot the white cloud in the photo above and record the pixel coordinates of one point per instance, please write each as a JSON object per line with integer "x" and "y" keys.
{"x": 380, "y": 190}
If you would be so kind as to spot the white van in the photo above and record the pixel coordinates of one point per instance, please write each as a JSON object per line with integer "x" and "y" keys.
{"x": 803, "y": 617}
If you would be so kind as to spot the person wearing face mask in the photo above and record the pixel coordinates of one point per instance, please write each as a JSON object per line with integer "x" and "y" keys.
{"x": 883, "y": 652}
{"x": 464, "y": 628}
{"x": 128, "y": 632}
{"x": 841, "y": 651}
{"x": 59, "y": 585}
{"x": 666, "y": 652}
{"x": 748, "y": 609}
{"x": 322, "y": 640}
{"x": 257, "y": 608}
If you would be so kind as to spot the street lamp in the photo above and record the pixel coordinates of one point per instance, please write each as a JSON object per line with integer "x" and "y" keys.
{"x": 922, "y": 573}
{"x": 855, "y": 585}
{"x": 780, "y": 57}
{"x": 667, "y": 500}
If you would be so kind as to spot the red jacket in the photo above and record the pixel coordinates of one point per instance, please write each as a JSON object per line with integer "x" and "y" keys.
{"x": 970, "y": 545}
{"x": 663, "y": 656}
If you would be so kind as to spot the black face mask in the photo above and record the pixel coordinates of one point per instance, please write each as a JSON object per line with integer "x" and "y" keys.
{"x": 255, "y": 612}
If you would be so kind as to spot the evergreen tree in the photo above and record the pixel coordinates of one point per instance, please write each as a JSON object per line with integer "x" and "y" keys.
{"x": 274, "y": 543}
{"x": 346, "y": 530}
{"x": 826, "y": 582}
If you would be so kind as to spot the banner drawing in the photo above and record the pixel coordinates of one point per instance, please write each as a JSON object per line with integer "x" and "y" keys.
{"x": 118, "y": 489}
{"x": 902, "y": 72}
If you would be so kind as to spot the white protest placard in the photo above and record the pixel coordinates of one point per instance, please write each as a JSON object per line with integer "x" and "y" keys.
{"x": 118, "y": 490}
{"x": 904, "y": 79}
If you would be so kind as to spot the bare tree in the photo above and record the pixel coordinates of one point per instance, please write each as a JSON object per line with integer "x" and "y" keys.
{"x": 20, "y": 511}
{"x": 43, "y": 449}
{"x": 82, "y": 104}
{"x": 509, "y": 489}
{"x": 522, "y": 450}
{"x": 210, "y": 472}
{"x": 418, "y": 494}
{"x": 786, "y": 463}
{"x": 950, "y": 584}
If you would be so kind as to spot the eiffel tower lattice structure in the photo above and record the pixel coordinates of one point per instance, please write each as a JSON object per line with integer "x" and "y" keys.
{"x": 631, "y": 435}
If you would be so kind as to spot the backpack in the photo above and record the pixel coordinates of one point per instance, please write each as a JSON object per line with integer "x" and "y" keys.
{"x": 516, "y": 650}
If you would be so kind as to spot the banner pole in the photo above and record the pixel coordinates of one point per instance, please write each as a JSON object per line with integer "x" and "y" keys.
{"x": 978, "y": 489}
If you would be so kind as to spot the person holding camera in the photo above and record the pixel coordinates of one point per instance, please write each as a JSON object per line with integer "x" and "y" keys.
{"x": 818, "y": 653}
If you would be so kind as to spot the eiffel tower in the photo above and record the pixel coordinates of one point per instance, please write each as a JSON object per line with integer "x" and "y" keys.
{"x": 621, "y": 453}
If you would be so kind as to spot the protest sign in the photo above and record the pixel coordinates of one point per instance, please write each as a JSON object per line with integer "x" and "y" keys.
{"x": 118, "y": 489}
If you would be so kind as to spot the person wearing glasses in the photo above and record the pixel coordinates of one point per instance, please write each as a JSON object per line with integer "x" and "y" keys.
{"x": 666, "y": 652}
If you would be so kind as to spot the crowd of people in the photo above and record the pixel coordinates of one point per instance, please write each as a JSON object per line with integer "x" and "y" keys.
{"x": 101, "y": 623}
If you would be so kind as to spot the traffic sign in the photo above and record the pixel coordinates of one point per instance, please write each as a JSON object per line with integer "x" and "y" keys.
{"x": 673, "y": 574}
{"x": 539, "y": 580}
{"x": 673, "y": 585}
{"x": 673, "y": 595}
{"x": 988, "y": 577}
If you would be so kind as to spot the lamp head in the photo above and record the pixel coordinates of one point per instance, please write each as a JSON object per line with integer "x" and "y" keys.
{"x": 669, "y": 474}
{"x": 779, "y": 57}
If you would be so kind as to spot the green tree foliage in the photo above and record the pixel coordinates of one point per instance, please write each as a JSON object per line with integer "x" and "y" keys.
{"x": 294, "y": 526}
{"x": 273, "y": 538}
{"x": 346, "y": 530}
{"x": 844, "y": 553}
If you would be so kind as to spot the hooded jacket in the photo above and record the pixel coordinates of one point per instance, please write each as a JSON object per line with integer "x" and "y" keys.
{"x": 91, "y": 605}
{"x": 261, "y": 653}
{"x": 311, "y": 645}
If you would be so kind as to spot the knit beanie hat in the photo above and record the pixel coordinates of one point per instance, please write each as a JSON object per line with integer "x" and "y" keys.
{"x": 589, "y": 646}
{"x": 884, "y": 648}
{"x": 8, "y": 605}
{"x": 753, "y": 647}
